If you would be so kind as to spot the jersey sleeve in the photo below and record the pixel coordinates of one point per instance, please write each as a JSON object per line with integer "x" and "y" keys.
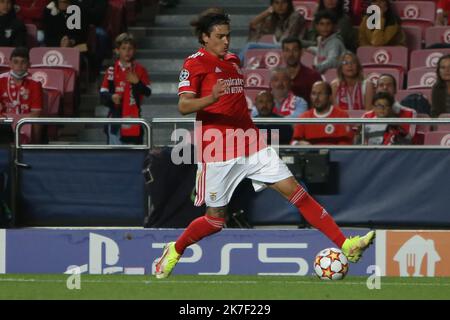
{"x": 36, "y": 97}
{"x": 191, "y": 77}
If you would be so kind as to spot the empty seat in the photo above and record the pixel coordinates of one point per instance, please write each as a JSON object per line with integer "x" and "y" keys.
{"x": 258, "y": 78}
{"x": 423, "y": 127}
{"x": 263, "y": 58}
{"x": 421, "y": 78}
{"x": 330, "y": 75}
{"x": 356, "y": 113}
{"x": 383, "y": 56}
{"x": 414, "y": 37}
{"x": 5, "y": 53}
{"x": 306, "y": 8}
{"x": 426, "y": 57}
{"x": 437, "y": 138}
{"x": 437, "y": 34}
{"x": 416, "y": 13}
{"x": 444, "y": 127}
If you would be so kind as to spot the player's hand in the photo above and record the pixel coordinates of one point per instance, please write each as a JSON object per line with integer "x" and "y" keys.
{"x": 219, "y": 89}
{"x": 132, "y": 77}
{"x": 116, "y": 98}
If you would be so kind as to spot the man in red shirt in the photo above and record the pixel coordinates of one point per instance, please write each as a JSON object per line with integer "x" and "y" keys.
{"x": 325, "y": 134}
{"x": 302, "y": 77}
{"x": 212, "y": 85}
{"x": 20, "y": 95}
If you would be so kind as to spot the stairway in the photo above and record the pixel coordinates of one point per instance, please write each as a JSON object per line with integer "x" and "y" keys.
{"x": 162, "y": 48}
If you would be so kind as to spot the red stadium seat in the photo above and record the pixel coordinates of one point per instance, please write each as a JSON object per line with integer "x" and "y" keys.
{"x": 444, "y": 127}
{"x": 65, "y": 59}
{"x": 330, "y": 75}
{"x": 5, "y": 53}
{"x": 416, "y": 13}
{"x": 263, "y": 58}
{"x": 53, "y": 84}
{"x": 306, "y": 8}
{"x": 31, "y": 35}
{"x": 373, "y": 73}
{"x": 437, "y": 34}
{"x": 267, "y": 38}
{"x": 437, "y": 138}
{"x": 384, "y": 56}
{"x": 356, "y": 113}
{"x": 307, "y": 58}
{"x": 414, "y": 37}
{"x": 259, "y": 78}
{"x": 401, "y": 94}
{"x": 423, "y": 127}
{"x": 426, "y": 58}
{"x": 421, "y": 78}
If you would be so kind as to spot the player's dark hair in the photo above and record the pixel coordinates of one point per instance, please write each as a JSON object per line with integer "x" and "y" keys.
{"x": 291, "y": 40}
{"x": 384, "y": 95}
{"x": 20, "y": 52}
{"x": 325, "y": 14}
{"x": 389, "y": 76}
{"x": 207, "y": 20}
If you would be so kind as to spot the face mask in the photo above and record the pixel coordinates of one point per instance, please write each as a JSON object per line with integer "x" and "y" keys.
{"x": 19, "y": 76}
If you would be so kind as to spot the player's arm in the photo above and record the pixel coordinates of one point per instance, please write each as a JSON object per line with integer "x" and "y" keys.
{"x": 189, "y": 103}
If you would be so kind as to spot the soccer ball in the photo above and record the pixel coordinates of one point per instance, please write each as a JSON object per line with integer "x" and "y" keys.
{"x": 331, "y": 264}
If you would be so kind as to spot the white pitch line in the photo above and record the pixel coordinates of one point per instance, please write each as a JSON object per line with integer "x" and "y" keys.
{"x": 295, "y": 282}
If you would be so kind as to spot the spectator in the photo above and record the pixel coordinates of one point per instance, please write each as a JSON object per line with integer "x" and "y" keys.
{"x": 388, "y": 83}
{"x": 329, "y": 45}
{"x": 21, "y": 95}
{"x": 388, "y": 134}
{"x": 390, "y": 34}
{"x": 443, "y": 13}
{"x": 302, "y": 77}
{"x": 350, "y": 90}
{"x": 280, "y": 20}
{"x": 323, "y": 134}
{"x": 57, "y": 34}
{"x": 122, "y": 90}
{"x": 345, "y": 28}
{"x": 31, "y": 12}
{"x": 12, "y": 31}
{"x": 440, "y": 93}
{"x": 287, "y": 104}
{"x": 264, "y": 104}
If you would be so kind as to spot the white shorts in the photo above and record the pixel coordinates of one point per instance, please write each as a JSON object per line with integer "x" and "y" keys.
{"x": 216, "y": 181}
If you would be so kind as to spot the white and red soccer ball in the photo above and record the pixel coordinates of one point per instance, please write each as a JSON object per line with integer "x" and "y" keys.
{"x": 331, "y": 264}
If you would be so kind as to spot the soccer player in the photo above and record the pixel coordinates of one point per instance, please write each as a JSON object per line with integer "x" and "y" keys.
{"x": 20, "y": 95}
{"x": 211, "y": 85}
{"x": 123, "y": 88}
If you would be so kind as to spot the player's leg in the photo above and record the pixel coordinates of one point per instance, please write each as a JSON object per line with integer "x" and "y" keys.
{"x": 319, "y": 218}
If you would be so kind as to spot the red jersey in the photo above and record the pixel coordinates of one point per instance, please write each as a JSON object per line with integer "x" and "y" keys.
{"x": 386, "y": 134}
{"x": 130, "y": 108}
{"x": 19, "y": 99}
{"x": 223, "y": 120}
{"x": 324, "y": 134}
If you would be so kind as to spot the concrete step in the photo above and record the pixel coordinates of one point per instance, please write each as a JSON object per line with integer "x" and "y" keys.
{"x": 183, "y": 20}
{"x": 231, "y": 9}
{"x": 182, "y": 42}
{"x": 222, "y": 3}
{"x": 165, "y": 88}
{"x": 144, "y": 31}
{"x": 162, "y": 65}
{"x": 170, "y": 53}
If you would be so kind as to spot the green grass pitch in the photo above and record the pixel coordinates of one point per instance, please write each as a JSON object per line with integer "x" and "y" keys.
{"x": 180, "y": 287}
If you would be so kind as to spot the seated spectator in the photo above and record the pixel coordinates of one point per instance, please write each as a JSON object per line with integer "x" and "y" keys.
{"x": 21, "y": 95}
{"x": 350, "y": 90}
{"x": 302, "y": 77}
{"x": 388, "y": 134}
{"x": 390, "y": 34}
{"x": 31, "y": 12}
{"x": 287, "y": 104}
{"x": 329, "y": 45}
{"x": 387, "y": 83}
{"x": 440, "y": 93}
{"x": 443, "y": 13}
{"x": 123, "y": 88}
{"x": 12, "y": 31}
{"x": 280, "y": 20}
{"x": 57, "y": 34}
{"x": 344, "y": 25}
{"x": 264, "y": 104}
{"x": 322, "y": 134}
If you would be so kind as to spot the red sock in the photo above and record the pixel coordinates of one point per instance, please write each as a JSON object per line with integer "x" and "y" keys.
{"x": 197, "y": 230}
{"x": 317, "y": 216}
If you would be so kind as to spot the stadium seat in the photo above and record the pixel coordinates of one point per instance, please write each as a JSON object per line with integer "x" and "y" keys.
{"x": 258, "y": 78}
{"x": 401, "y": 94}
{"x": 263, "y": 58}
{"x": 330, "y": 75}
{"x": 356, "y": 113}
{"x": 307, "y": 59}
{"x": 373, "y": 73}
{"x": 31, "y": 35}
{"x": 65, "y": 59}
{"x": 423, "y": 127}
{"x": 444, "y": 127}
{"x": 421, "y": 78}
{"x": 268, "y": 38}
{"x": 5, "y": 53}
{"x": 426, "y": 58}
{"x": 306, "y": 8}
{"x": 437, "y": 138}
{"x": 437, "y": 34}
{"x": 414, "y": 37}
{"x": 384, "y": 56}
{"x": 416, "y": 13}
